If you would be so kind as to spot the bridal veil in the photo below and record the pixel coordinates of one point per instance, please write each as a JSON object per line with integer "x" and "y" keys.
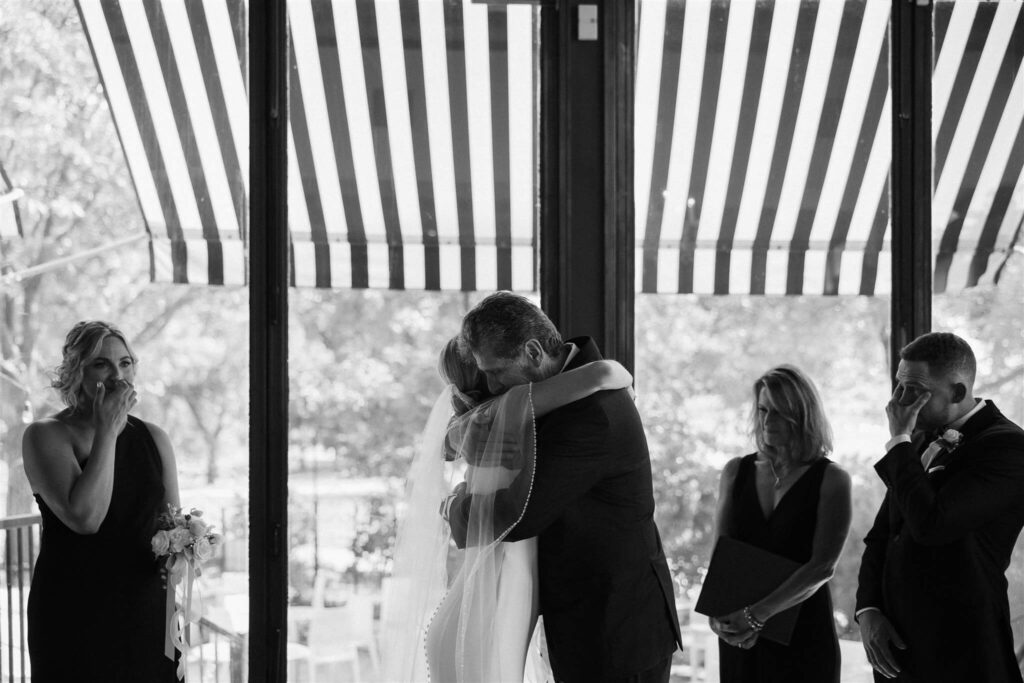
{"x": 462, "y": 606}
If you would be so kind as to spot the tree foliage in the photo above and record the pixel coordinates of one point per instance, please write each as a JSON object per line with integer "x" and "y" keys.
{"x": 362, "y": 363}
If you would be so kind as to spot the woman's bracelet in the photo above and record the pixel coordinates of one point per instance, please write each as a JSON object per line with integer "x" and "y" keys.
{"x": 753, "y": 623}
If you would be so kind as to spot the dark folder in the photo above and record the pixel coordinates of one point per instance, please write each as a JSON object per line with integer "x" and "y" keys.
{"x": 741, "y": 574}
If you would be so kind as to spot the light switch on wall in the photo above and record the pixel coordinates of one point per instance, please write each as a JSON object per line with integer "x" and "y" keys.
{"x": 587, "y": 29}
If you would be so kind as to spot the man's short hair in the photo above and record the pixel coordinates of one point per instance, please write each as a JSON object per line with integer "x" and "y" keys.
{"x": 946, "y": 354}
{"x": 503, "y": 322}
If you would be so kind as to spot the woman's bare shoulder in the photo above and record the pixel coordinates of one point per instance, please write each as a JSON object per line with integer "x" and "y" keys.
{"x": 49, "y": 428}
{"x": 835, "y": 476}
{"x": 732, "y": 467}
{"x": 156, "y": 430}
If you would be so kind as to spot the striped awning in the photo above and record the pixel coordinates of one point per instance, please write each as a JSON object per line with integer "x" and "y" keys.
{"x": 763, "y": 145}
{"x": 412, "y": 134}
{"x": 10, "y": 218}
{"x": 762, "y": 138}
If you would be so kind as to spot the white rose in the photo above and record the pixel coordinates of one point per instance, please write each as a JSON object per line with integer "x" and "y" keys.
{"x": 202, "y": 550}
{"x": 179, "y": 538}
{"x": 197, "y": 527}
{"x": 160, "y": 543}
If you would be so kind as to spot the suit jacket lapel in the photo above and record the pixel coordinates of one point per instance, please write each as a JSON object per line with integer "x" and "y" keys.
{"x": 920, "y": 441}
{"x": 978, "y": 422}
{"x": 588, "y": 352}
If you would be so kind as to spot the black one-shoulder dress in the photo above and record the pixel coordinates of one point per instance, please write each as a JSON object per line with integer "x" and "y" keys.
{"x": 96, "y": 611}
{"x": 813, "y": 653}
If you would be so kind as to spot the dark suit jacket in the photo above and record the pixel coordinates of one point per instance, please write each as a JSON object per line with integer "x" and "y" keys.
{"x": 936, "y": 557}
{"x": 605, "y": 591}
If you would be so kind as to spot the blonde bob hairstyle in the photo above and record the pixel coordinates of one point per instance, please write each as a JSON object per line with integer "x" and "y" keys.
{"x": 794, "y": 396}
{"x": 81, "y": 346}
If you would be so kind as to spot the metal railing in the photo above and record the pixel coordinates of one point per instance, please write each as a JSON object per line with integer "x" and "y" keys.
{"x": 21, "y": 544}
{"x": 217, "y": 656}
{"x": 215, "y": 648}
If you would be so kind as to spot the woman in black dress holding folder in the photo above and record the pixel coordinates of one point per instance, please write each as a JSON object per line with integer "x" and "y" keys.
{"x": 789, "y": 499}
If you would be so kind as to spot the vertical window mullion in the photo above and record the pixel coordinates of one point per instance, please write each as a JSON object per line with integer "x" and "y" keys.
{"x": 911, "y": 175}
{"x": 268, "y": 339}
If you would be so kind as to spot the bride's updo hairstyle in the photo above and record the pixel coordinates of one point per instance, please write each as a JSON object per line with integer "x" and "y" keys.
{"x": 81, "y": 346}
{"x": 461, "y": 372}
{"x": 796, "y": 399}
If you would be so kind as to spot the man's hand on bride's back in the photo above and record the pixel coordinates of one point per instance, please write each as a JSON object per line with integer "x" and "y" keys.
{"x": 446, "y": 503}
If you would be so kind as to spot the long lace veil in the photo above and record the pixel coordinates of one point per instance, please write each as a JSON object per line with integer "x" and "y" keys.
{"x": 418, "y": 577}
{"x": 466, "y": 618}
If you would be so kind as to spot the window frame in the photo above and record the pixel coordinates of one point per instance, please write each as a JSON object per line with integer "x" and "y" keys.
{"x": 586, "y": 187}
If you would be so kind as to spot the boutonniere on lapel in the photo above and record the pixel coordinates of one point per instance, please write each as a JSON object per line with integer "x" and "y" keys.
{"x": 946, "y": 443}
{"x": 950, "y": 439}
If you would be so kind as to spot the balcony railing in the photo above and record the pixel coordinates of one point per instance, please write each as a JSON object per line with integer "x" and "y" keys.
{"x": 217, "y": 655}
{"x": 21, "y": 545}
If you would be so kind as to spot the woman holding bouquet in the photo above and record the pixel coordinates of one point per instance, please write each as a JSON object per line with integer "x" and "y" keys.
{"x": 101, "y": 477}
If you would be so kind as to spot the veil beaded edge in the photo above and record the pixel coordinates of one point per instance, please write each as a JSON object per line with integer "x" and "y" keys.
{"x": 497, "y": 439}
{"x": 419, "y": 578}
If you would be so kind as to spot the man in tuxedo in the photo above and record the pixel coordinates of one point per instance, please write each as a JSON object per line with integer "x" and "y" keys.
{"x": 931, "y": 596}
{"x": 605, "y": 591}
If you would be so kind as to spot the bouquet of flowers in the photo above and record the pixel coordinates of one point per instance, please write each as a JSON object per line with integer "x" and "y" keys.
{"x": 184, "y": 537}
{"x": 186, "y": 540}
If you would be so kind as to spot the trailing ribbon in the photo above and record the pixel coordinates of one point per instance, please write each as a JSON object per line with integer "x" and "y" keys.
{"x": 178, "y": 618}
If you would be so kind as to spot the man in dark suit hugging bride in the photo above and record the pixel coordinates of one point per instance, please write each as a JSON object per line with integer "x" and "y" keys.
{"x": 605, "y": 593}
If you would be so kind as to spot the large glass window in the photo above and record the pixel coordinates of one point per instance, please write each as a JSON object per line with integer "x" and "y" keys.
{"x": 697, "y": 359}
{"x": 412, "y": 193}
{"x": 978, "y": 206}
{"x": 123, "y": 142}
{"x": 769, "y": 177}
{"x": 762, "y": 159}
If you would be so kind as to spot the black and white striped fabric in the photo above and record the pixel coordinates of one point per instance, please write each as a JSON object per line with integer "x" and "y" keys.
{"x": 763, "y": 145}
{"x": 762, "y": 142}
{"x": 10, "y": 218}
{"x": 978, "y": 124}
{"x": 412, "y": 134}
{"x": 173, "y": 73}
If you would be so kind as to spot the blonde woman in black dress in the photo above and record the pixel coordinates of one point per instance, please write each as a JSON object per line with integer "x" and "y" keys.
{"x": 101, "y": 476}
{"x": 790, "y": 499}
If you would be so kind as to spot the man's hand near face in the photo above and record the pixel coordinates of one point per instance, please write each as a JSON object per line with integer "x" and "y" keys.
{"x": 902, "y": 412}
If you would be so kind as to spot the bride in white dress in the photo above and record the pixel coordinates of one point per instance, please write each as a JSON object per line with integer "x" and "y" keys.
{"x": 474, "y": 621}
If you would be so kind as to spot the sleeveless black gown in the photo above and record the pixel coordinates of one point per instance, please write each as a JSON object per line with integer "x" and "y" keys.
{"x": 813, "y": 653}
{"x": 96, "y": 611}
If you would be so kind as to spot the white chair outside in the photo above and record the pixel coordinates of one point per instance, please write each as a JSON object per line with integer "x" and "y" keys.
{"x": 333, "y": 645}
{"x": 363, "y": 625}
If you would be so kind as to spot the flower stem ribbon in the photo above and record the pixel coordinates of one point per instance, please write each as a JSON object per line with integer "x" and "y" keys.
{"x": 180, "y": 571}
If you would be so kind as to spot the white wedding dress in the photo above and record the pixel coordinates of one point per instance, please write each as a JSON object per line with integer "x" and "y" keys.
{"x": 514, "y": 617}
{"x": 482, "y": 625}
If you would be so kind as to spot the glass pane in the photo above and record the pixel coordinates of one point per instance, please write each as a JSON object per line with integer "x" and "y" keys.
{"x": 413, "y": 193}
{"x": 979, "y": 204}
{"x": 110, "y": 118}
{"x": 762, "y": 161}
{"x": 360, "y": 394}
{"x": 695, "y": 396}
